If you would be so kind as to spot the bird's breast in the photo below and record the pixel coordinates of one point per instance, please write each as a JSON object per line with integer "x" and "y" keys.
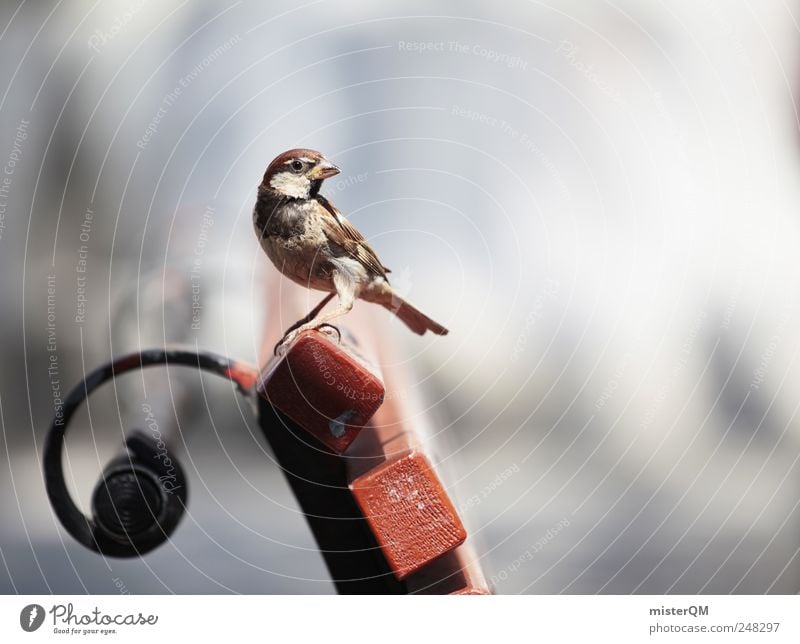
{"x": 295, "y": 242}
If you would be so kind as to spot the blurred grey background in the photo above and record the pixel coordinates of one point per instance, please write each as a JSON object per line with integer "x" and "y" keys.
{"x": 601, "y": 200}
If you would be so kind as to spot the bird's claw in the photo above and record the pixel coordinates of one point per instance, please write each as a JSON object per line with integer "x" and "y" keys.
{"x": 287, "y": 339}
{"x": 279, "y": 345}
{"x": 291, "y": 334}
{"x": 335, "y": 328}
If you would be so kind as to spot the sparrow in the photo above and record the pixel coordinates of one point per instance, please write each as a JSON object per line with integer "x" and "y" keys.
{"x": 313, "y": 244}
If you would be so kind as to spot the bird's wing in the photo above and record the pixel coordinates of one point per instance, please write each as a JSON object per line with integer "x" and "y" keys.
{"x": 341, "y": 232}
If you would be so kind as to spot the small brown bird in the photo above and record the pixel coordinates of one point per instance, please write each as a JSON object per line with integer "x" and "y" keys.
{"x": 311, "y": 243}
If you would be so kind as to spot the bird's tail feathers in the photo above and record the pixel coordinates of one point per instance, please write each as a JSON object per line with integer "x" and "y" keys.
{"x": 413, "y": 318}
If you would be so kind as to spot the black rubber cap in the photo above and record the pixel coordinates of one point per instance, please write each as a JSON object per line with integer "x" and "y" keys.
{"x": 128, "y": 503}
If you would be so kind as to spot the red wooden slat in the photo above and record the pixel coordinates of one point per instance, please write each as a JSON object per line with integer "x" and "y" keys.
{"x": 326, "y": 388}
{"x": 409, "y": 511}
{"x": 374, "y": 500}
{"x": 396, "y": 486}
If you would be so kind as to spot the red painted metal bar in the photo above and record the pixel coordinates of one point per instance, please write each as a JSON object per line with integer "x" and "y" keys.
{"x": 380, "y": 514}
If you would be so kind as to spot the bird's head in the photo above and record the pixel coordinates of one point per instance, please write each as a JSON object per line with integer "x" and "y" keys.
{"x": 298, "y": 173}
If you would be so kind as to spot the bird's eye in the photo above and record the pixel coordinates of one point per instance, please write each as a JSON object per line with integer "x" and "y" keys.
{"x": 297, "y": 165}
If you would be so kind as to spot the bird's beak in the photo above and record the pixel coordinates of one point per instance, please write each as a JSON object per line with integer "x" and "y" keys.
{"x": 323, "y": 170}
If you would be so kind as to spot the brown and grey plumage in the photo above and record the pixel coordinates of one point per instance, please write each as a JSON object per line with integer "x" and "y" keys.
{"x": 313, "y": 244}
